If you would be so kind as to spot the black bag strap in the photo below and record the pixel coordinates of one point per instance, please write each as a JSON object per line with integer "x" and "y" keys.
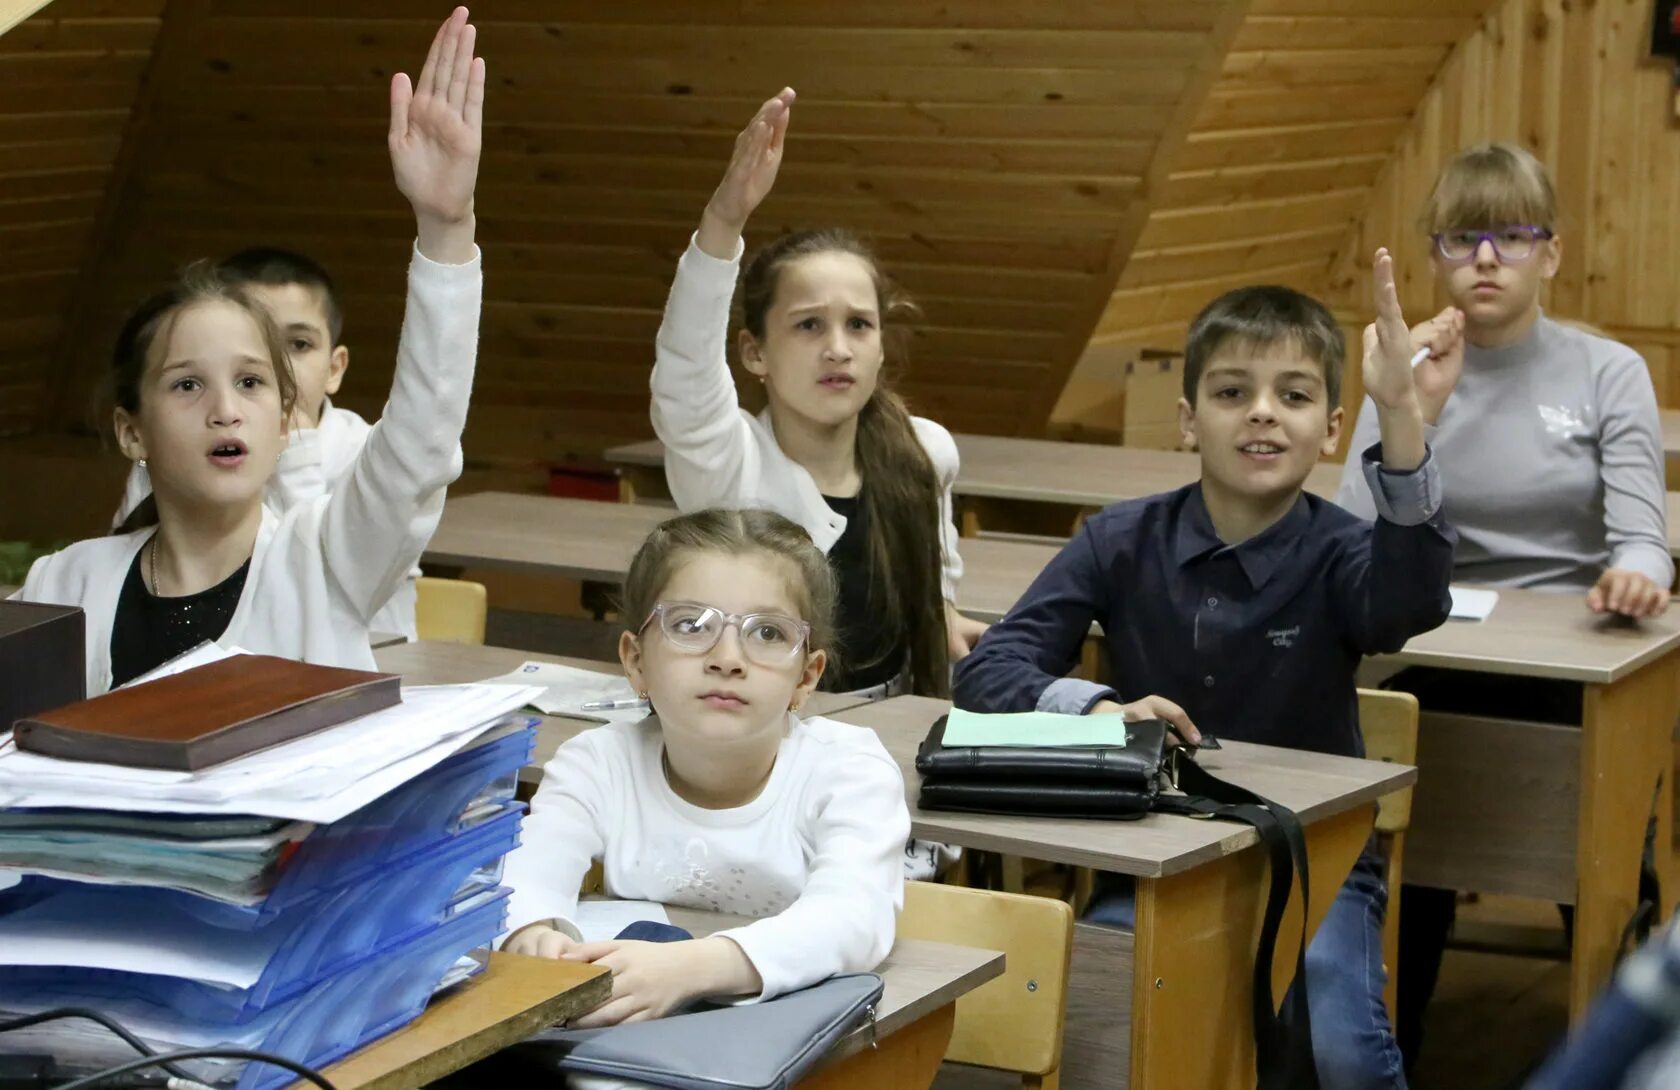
{"x": 1282, "y": 1039}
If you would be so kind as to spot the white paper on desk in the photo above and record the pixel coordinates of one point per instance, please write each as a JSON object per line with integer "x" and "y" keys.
{"x": 1470, "y": 604}
{"x": 97, "y": 931}
{"x": 565, "y": 688}
{"x": 320, "y": 777}
{"x": 598, "y": 921}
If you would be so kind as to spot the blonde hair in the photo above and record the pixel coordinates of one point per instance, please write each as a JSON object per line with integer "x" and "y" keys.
{"x": 810, "y": 581}
{"x": 1490, "y": 185}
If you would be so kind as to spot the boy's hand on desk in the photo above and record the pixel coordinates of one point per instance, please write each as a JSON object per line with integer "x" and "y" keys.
{"x": 437, "y": 132}
{"x": 1152, "y": 707}
{"x": 963, "y": 632}
{"x": 1628, "y": 593}
{"x": 652, "y": 979}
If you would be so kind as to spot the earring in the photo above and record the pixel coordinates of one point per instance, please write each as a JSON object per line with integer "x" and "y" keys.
{"x": 642, "y": 696}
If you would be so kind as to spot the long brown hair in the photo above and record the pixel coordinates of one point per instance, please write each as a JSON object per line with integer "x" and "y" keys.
{"x": 147, "y": 331}
{"x": 736, "y": 533}
{"x": 900, "y": 501}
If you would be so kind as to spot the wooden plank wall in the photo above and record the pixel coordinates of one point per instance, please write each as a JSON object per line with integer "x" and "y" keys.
{"x": 68, "y": 77}
{"x": 992, "y": 148}
{"x": 1314, "y": 96}
{"x": 1572, "y": 82}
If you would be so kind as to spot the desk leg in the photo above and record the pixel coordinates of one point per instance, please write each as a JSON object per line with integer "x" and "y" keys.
{"x": 907, "y": 1060}
{"x": 1196, "y": 934}
{"x": 1627, "y": 741}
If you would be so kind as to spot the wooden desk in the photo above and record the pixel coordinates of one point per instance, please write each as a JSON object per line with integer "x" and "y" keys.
{"x": 594, "y": 541}
{"x": 1671, "y": 442}
{"x": 1201, "y": 893}
{"x": 1548, "y": 811}
{"x": 912, "y": 1021}
{"x": 999, "y": 469}
{"x": 512, "y": 999}
{"x": 427, "y": 662}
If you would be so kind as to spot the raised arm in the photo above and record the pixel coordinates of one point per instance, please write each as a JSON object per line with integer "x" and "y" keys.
{"x": 708, "y": 441}
{"x": 377, "y": 522}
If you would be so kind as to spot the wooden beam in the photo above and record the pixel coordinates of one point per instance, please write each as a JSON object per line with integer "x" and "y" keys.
{"x": 1095, "y": 296}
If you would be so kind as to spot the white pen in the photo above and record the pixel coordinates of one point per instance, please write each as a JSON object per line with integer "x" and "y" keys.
{"x": 612, "y": 705}
{"x": 1422, "y": 354}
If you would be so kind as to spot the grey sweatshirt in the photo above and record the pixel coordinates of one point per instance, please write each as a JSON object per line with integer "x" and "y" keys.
{"x": 1551, "y": 463}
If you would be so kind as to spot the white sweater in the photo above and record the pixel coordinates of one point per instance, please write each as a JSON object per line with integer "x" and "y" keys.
{"x": 718, "y": 454}
{"x": 322, "y": 569}
{"x": 314, "y": 462}
{"x": 817, "y": 856}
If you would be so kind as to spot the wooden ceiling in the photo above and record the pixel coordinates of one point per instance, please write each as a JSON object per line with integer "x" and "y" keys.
{"x": 67, "y": 87}
{"x": 1014, "y": 163}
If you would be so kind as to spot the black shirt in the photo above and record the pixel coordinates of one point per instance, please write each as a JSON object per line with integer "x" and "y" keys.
{"x": 1257, "y": 641}
{"x": 148, "y": 631}
{"x": 870, "y": 653}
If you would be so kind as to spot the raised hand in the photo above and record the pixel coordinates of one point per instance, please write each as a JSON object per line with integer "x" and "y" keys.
{"x": 749, "y": 178}
{"x": 1388, "y": 343}
{"x": 437, "y": 132}
{"x": 1387, "y": 367}
{"x": 1437, "y": 376}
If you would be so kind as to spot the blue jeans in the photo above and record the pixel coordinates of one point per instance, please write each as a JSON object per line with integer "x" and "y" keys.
{"x": 1353, "y": 1043}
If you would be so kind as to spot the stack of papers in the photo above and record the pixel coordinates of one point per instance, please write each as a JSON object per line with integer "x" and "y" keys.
{"x": 305, "y": 898}
{"x": 320, "y": 778}
{"x": 229, "y": 859}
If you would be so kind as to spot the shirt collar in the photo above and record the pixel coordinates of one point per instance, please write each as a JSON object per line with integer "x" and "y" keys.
{"x": 1259, "y": 557}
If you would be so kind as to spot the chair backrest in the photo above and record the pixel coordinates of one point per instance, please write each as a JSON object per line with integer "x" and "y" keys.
{"x": 1014, "y": 1022}
{"x": 1389, "y": 721}
{"x": 450, "y": 610}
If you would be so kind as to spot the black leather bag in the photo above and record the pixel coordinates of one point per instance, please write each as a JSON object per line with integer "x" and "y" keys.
{"x": 1050, "y": 781}
{"x": 1128, "y": 782}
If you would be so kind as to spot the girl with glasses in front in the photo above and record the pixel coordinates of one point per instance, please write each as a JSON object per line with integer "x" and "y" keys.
{"x": 1550, "y": 452}
{"x": 723, "y": 798}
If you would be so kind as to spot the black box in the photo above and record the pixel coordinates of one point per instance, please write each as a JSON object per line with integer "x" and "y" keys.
{"x": 43, "y": 653}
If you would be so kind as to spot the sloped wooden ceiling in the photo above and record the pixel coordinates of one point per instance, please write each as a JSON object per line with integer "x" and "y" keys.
{"x": 1312, "y": 100}
{"x": 995, "y": 150}
{"x": 68, "y": 80}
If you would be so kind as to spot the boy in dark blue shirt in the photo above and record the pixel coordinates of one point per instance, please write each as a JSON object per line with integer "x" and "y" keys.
{"x": 1243, "y": 605}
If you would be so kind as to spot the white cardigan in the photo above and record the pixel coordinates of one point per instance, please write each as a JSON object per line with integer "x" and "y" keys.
{"x": 321, "y": 570}
{"x": 314, "y": 462}
{"x": 719, "y": 455}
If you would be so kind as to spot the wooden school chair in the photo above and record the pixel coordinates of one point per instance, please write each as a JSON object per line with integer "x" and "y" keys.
{"x": 450, "y": 610}
{"x": 1013, "y": 1023}
{"x": 1389, "y": 721}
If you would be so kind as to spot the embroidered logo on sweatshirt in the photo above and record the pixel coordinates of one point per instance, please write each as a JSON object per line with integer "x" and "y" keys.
{"x": 1283, "y": 637}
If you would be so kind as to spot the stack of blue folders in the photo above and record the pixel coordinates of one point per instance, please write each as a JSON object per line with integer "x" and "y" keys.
{"x": 197, "y": 925}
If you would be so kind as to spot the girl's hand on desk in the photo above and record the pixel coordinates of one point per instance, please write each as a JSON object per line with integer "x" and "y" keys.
{"x": 652, "y": 979}
{"x": 1628, "y": 593}
{"x": 963, "y": 632}
{"x": 1152, "y": 707}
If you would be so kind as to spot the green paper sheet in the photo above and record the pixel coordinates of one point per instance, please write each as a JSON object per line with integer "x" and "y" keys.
{"x": 1033, "y": 729}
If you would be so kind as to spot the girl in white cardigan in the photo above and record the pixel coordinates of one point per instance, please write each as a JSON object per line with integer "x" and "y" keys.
{"x": 723, "y": 798}
{"x": 204, "y": 390}
{"x": 835, "y": 451}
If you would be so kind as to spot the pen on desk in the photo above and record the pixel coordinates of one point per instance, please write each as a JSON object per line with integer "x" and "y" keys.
{"x": 1421, "y": 355}
{"x": 612, "y": 705}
